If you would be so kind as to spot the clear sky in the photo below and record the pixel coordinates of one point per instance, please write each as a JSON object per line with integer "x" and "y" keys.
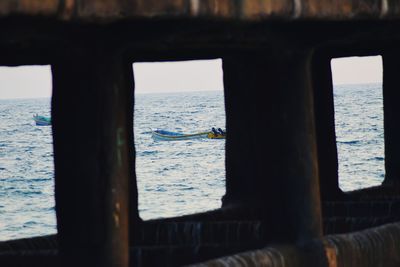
{"x": 25, "y": 82}
{"x": 352, "y": 70}
{"x": 35, "y": 81}
{"x": 200, "y": 75}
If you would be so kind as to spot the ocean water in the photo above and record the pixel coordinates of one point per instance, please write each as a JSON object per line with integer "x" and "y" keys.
{"x": 26, "y": 170}
{"x": 180, "y": 177}
{"x": 359, "y": 135}
{"x": 174, "y": 178}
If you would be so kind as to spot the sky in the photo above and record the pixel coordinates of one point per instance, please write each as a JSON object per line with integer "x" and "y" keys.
{"x": 25, "y": 82}
{"x": 351, "y": 70}
{"x": 200, "y": 75}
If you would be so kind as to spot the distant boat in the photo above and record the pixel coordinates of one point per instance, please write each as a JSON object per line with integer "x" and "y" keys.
{"x": 163, "y": 135}
{"x": 212, "y": 135}
{"x": 41, "y": 120}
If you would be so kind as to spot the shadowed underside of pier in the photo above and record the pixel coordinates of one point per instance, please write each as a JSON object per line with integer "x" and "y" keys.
{"x": 283, "y": 205}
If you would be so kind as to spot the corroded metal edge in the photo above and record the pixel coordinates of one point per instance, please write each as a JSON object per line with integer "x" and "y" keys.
{"x": 373, "y": 247}
{"x": 100, "y": 11}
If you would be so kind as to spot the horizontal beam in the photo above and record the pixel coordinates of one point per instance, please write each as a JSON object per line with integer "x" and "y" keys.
{"x": 247, "y": 10}
{"x": 370, "y": 248}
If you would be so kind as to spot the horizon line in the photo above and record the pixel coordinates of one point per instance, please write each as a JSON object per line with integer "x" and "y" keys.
{"x": 141, "y": 92}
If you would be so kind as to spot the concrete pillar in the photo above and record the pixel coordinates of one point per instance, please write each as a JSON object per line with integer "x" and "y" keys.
{"x": 325, "y": 127}
{"x": 271, "y": 154}
{"x": 92, "y": 110}
{"x": 391, "y": 98}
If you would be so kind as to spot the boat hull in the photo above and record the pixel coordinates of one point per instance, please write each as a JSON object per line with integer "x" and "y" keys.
{"x": 215, "y": 136}
{"x": 41, "y": 120}
{"x": 162, "y": 135}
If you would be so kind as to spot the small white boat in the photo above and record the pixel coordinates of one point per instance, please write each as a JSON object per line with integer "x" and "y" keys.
{"x": 163, "y": 135}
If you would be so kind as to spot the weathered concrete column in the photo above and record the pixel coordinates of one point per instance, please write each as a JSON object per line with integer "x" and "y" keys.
{"x": 92, "y": 110}
{"x": 391, "y": 99}
{"x": 325, "y": 127}
{"x": 271, "y": 154}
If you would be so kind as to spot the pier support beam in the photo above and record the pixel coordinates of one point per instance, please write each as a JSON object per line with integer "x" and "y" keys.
{"x": 271, "y": 154}
{"x": 325, "y": 127}
{"x": 92, "y": 110}
{"x": 391, "y": 99}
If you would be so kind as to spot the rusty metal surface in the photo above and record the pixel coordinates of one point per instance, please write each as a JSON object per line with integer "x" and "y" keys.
{"x": 369, "y": 248}
{"x": 101, "y": 11}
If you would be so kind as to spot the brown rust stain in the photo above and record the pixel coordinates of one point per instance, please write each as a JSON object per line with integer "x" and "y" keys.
{"x": 153, "y": 8}
{"x": 223, "y": 8}
{"x": 44, "y": 7}
{"x": 101, "y": 10}
{"x": 340, "y": 9}
{"x": 67, "y": 9}
{"x": 257, "y": 9}
{"x": 330, "y": 252}
{"x": 116, "y": 215}
{"x": 29, "y": 7}
{"x": 250, "y": 10}
{"x": 215, "y": 8}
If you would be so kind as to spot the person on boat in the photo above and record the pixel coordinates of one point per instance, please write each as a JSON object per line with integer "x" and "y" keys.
{"x": 214, "y": 131}
{"x": 221, "y": 132}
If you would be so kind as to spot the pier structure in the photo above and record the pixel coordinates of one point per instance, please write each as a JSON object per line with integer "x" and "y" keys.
{"x": 283, "y": 205}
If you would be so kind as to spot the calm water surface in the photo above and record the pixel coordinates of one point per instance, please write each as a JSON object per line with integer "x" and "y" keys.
{"x": 359, "y": 135}
{"x": 174, "y": 178}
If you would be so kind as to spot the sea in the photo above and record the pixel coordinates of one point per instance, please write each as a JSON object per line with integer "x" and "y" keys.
{"x": 174, "y": 177}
